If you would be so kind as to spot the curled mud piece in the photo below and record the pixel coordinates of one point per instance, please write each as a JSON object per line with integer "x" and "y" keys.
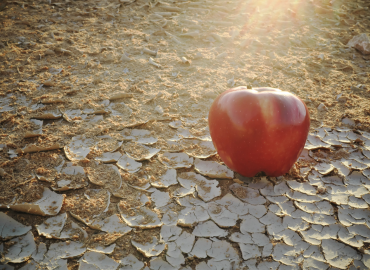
{"x": 140, "y": 152}
{"x": 10, "y": 227}
{"x": 78, "y": 148}
{"x": 213, "y": 169}
{"x": 34, "y": 148}
{"x": 71, "y": 177}
{"x": 36, "y": 132}
{"x": 144, "y": 217}
{"x": 21, "y": 249}
{"x": 153, "y": 63}
{"x": 98, "y": 261}
{"x": 152, "y": 249}
{"x": 49, "y": 115}
{"x": 150, "y": 52}
{"x": 49, "y": 204}
{"x": 207, "y": 189}
{"x": 128, "y": 164}
{"x": 176, "y": 160}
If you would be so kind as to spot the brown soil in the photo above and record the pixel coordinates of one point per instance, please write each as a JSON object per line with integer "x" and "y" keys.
{"x": 67, "y": 56}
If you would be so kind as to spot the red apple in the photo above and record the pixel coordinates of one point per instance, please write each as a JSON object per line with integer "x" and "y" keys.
{"x": 258, "y": 130}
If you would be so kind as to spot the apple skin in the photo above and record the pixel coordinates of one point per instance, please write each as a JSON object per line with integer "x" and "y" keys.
{"x": 258, "y": 130}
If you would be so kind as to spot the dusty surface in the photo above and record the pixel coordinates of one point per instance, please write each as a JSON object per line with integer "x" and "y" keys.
{"x": 94, "y": 71}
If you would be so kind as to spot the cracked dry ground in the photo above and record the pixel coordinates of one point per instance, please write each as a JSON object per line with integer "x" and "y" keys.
{"x": 106, "y": 160}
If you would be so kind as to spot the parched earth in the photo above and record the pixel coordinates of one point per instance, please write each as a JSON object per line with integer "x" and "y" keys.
{"x": 106, "y": 161}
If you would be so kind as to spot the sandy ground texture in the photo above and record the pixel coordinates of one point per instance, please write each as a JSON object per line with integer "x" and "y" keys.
{"x": 106, "y": 161}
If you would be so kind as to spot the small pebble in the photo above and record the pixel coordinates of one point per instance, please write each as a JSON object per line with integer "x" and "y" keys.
{"x": 159, "y": 109}
{"x": 231, "y": 82}
{"x": 322, "y": 107}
